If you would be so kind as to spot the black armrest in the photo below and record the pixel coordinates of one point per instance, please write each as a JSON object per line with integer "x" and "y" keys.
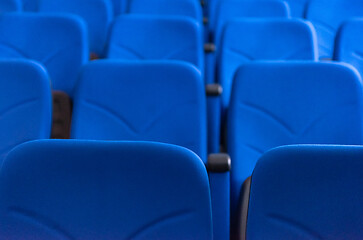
{"x": 209, "y": 47}
{"x": 205, "y": 20}
{"x": 62, "y": 115}
{"x": 213, "y": 90}
{"x": 219, "y": 163}
{"x": 244, "y": 200}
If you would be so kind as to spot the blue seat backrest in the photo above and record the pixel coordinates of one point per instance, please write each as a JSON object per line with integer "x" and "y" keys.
{"x": 98, "y": 15}
{"x": 231, "y": 9}
{"x": 25, "y": 104}
{"x": 58, "y": 42}
{"x": 284, "y": 103}
{"x": 262, "y": 39}
{"x": 186, "y": 8}
{"x": 327, "y": 16}
{"x": 349, "y": 47}
{"x": 103, "y": 190}
{"x": 312, "y": 192}
{"x": 10, "y": 6}
{"x": 141, "y": 101}
{"x": 141, "y": 37}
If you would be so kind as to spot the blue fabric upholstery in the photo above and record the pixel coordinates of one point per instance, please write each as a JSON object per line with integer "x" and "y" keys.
{"x": 284, "y": 103}
{"x": 116, "y": 101}
{"x": 327, "y": 16}
{"x": 261, "y": 39}
{"x": 349, "y": 47}
{"x": 141, "y": 37}
{"x": 25, "y": 104}
{"x": 30, "y": 5}
{"x": 229, "y": 10}
{"x": 214, "y": 123}
{"x": 98, "y": 15}
{"x": 212, "y": 9}
{"x": 307, "y": 192}
{"x": 220, "y": 194}
{"x": 10, "y": 6}
{"x": 58, "y": 42}
{"x": 120, "y": 6}
{"x": 103, "y": 190}
{"x": 297, "y": 8}
{"x": 186, "y": 8}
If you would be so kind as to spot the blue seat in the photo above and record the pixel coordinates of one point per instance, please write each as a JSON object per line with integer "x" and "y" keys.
{"x": 161, "y": 101}
{"x": 140, "y": 37}
{"x": 103, "y": 190}
{"x": 349, "y": 47}
{"x": 261, "y": 39}
{"x": 327, "y": 16}
{"x": 307, "y": 192}
{"x": 58, "y": 42}
{"x": 185, "y": 8}
{"x": 282, "y": 103}
{"x": 98, "y": 15}
{"x": 25, "y": 104}
{"x": 10, "y": 6}
{"x": 141, "y": 101}
{"x": 228, "y": 10}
